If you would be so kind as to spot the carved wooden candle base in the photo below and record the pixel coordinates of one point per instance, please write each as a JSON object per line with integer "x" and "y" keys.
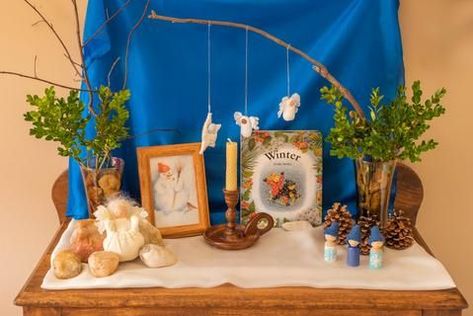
{"x": 231, "y": 236}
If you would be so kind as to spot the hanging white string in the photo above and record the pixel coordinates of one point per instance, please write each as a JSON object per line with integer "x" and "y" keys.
{"x": 246, "y": 71}
{"x": 288, "y": 71}
{"x": 209, "y": 78}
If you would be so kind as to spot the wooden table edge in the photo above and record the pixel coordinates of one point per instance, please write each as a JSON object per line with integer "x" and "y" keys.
{"x": 230, "y": 296}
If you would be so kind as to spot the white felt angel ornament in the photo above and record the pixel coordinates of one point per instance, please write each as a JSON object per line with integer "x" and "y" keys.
{"x": 209, "y": 130}
{"x": 209, "y": 133}
{"x": 289, "y": 106}
{"x": 247, "y": 124}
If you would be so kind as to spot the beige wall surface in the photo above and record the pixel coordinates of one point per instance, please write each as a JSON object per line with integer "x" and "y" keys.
{"x": 438, "y": 49}
{"x": 438, "y": 46}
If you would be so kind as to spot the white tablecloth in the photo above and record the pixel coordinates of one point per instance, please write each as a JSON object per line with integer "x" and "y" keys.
{"x": 279, "y": 258}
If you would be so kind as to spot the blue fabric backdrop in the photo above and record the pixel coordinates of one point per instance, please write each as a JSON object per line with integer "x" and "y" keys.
{"x": 358, "y": 40}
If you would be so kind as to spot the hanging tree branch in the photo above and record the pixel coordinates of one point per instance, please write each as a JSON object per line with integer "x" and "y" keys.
{"x": 34, "y": 77}
{"x": 49, "y": 24}
{"x": 130, "y": 36}
{"x": 84, "y": 68}
{"x": 316, "y": 65}
{"x": 104, "y": 24}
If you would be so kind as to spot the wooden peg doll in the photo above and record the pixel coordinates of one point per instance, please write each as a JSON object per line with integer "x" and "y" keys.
{"x": 330, "y": 249}
{"x": 376, "y": 241}
{"x": 353, "y": 246}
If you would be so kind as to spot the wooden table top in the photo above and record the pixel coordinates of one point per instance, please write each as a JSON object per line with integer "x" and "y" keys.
{"x": 231, "y": 297}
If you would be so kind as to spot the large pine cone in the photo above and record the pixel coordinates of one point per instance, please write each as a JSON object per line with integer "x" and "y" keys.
{"x": 366, "y": 222}
{"x": 398, "y": 232}
{"x": 340, "y": 214}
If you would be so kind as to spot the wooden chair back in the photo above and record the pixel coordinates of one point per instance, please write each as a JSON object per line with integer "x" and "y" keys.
{"x": 409, "y": 193}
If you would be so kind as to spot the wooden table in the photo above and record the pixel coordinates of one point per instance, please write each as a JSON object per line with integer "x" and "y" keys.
{"x": 230, "y": 300}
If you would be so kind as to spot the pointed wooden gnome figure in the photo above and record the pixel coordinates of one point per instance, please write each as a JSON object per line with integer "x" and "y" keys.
{"x": 353, "y": 246}
{"x": 376, "y": 240}
{"x": 330, "y": 249}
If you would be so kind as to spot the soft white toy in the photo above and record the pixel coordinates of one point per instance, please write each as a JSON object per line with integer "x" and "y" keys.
{"x": 289, "y": 107}
{"x": 247, "y": 124}
{"x": 124, "y": 237}
{"x": 209, "y": 133}
{"x": 155, "y": 256}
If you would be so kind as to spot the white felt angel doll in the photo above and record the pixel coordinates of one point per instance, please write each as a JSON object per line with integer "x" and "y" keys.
{"x": 289, "y": 106}
{"x": 247, "y": 124}
{"x": 209, "y": 133}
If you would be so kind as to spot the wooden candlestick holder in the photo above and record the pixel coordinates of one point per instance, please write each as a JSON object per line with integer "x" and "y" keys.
{"x": 231, "y": 236}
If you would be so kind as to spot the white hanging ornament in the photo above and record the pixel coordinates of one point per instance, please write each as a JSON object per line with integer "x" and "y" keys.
{"x": 247, "y": 124}
{"x": 210, "y": 129}
{"x": 289, "y": 104}
{"x": 209, "y": 133}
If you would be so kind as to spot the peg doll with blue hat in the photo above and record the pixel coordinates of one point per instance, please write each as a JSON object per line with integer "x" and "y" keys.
{"x": 330, "y": 249}
{"x": 376, "y": 240}
{"x": 353, "y": 246}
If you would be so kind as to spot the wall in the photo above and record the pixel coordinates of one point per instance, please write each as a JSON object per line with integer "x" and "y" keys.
{"x": 438, "y": 44}
{"x": 28, "y": 167}
{"x": 438, "y": 49}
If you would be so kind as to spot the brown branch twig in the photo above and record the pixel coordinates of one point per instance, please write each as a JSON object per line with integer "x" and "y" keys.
{"x": 17, "y": 74}
{"x": 35, "y": 65}
{"x": 43, "y": 18}
{"x": 104, "y": 24}
{"x": 130, "y": 36}
{"x": 316, "y": 65}
{"x": 112, "y": 68}
{"x": 84, "y": 68}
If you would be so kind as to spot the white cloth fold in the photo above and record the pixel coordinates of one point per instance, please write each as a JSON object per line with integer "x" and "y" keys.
{"x": 279, "y": 258}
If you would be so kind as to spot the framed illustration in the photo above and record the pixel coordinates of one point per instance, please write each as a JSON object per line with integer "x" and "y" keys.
{"x": 173, "y": 188}
{"x": 281, "y": 174}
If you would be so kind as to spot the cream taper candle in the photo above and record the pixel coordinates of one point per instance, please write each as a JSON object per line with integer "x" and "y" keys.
{"x": 231, "y": 170}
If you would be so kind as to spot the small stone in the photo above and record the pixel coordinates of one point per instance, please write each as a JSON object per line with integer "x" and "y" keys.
{"x": 103, "y": 263}
{"x": 86, "y": 239}
{"x": 155, "y": 256}
{"x": 66, "y": 264}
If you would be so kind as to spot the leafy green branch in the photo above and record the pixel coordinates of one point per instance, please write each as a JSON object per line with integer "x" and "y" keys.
{"x": 61, "y": 120}
{"x": 393, "y": 130}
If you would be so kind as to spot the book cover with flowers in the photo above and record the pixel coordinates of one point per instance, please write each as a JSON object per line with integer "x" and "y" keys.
{"x": 281, "y": 174}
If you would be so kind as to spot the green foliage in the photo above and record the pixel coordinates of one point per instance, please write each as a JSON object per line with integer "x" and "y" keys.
{"x": 392, "y": 131}
{"x": 61, "y": 120}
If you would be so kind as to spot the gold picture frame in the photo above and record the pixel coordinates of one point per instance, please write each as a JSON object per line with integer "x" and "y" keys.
{"x": 174, "y": 188}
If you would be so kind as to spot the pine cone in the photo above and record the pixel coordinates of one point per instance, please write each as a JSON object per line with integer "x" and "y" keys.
{"x": 366, "y": 222}
{"x": 398, "y": 231}
{"x": 340, "y": 214}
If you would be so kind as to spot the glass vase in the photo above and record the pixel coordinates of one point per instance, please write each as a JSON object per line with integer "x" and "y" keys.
{"x": 101, "y": 183}
{"x": 374, "y": 182}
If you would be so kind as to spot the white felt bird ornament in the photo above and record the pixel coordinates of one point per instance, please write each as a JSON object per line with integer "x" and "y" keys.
{"x": 247, "y": 124}
{"x": 209, "y": 133}
{"x": 289, "y": 107}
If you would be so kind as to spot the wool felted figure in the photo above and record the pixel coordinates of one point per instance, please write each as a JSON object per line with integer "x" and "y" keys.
{"x": 124, "y": 208}
{"x": 289, "y": 106}
{"x": 124, "y": 237}
{"x": 353, "y": 246}
{"x": 376, "y": 241}
{"x": 209, "y": 133}
{"x": 330, "y": 248}
{"x": 247, "y": 124}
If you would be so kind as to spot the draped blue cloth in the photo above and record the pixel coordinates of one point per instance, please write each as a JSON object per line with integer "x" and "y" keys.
{"x": 358, "y": 40}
